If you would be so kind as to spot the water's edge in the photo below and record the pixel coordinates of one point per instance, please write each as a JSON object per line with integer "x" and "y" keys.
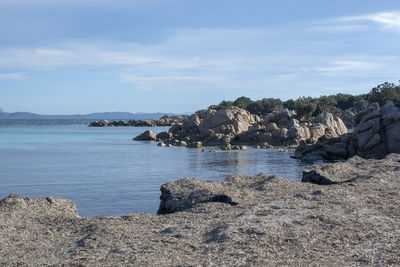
{"x": 105, "y": 172}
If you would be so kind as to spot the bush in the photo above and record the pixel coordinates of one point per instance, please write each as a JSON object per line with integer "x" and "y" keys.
{"x": 384, "y": 93}
{"x": 327, "y": 104}
{"x": 222, "y": 105}
{"x": 242, "y": 102}
{"x": 265, "y": 106}
{"x": 306, "y": 107}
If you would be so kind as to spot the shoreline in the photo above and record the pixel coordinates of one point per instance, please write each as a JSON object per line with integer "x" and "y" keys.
{"x": 274, "y": 221}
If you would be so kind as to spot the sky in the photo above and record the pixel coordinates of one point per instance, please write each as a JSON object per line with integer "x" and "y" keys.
{"x": 77, "y": 57}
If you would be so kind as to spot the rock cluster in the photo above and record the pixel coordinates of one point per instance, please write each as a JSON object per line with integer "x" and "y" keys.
{"x": 163, "y": 121}
{"x": 376, "y": 134}
{"x": 234, "y": 127}
{"x": 264, "y": 220}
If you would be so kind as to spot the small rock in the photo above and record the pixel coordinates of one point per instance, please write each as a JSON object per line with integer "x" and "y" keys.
{"x": 195, "y": 144}
{"x": 226, "y": 146}
{"x": 146, "y": 136}
{"x": 182, "y": 143}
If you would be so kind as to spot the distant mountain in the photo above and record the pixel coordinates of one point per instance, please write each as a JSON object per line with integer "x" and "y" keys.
{"x": 92, "y": 116}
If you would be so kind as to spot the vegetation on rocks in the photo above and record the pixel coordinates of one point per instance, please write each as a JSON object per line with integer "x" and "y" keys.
{"x": 308, "y": 107}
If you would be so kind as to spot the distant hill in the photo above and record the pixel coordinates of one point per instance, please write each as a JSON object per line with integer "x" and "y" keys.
{"x": 92, "y": 116}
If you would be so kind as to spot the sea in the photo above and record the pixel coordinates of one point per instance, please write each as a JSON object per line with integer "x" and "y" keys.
{"x": 107, "y": 173}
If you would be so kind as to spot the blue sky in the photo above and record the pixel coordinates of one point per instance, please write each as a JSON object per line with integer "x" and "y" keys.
{"x": 70, "y": 57}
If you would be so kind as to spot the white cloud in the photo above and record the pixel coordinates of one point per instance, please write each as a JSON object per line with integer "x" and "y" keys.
{"x": 349, "y": 66}
{"x": 174, "y": 82}
{"x": 389, "y": 20}
{"x": 261, "y": 59}
{"x": 70, "y": 56}
{"x": 12, "y": 76}
{"x": 337, "y": 28}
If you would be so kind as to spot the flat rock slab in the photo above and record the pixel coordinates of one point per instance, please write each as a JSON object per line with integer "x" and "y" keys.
{"x": 275, "y": 221}
{"x": 349, "y": 171}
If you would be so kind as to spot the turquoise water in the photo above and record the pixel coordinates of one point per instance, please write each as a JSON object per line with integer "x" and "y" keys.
{"x": 105, "y": 172}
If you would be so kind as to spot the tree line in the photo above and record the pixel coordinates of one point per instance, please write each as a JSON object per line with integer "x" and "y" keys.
{"x": 307, "y": 107}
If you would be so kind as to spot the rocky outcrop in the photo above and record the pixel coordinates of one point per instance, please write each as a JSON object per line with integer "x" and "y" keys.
{"x": 348, "y": 116}
{"x": 211, "y": 127}
{"x": 163, "y": 121}
{"x": 229, "y": 128}
{"x": 333, "y": 126}
{"x": 100, "y": 123}
{"x": 261, "y": 220}
{"x": 391, "y": 124}
{"x": 375, "y": 135}
{"x": 146, "y": 136}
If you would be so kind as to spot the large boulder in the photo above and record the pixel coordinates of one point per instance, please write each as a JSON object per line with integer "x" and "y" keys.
{"x": 348, "y": 116}
{"x": 280, "y": 118}
{"x": 146, "y": 136}
{"x": 189, "y": 192}
{"x": 375, "y": 135}
{"x": 334, "y": 126}
{"x": 232, "y": 121}
{"x": 164, "y": 136}
{"x": 299, "y": 133}
{"x": 270, "y": 127}
{"x": 316, "y": 131}
{"x": 367, "y": 131}
{"x": 391, "y": 124}
{"x": 212, "y": 128}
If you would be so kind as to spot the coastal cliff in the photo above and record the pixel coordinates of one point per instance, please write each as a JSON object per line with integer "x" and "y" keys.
{"x": 342, "y": 214}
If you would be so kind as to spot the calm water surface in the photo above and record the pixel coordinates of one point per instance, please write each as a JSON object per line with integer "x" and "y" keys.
{"x": 105, "y": 172}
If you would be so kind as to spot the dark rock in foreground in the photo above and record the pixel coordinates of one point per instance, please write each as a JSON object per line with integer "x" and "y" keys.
{"x": 258, "y": 220}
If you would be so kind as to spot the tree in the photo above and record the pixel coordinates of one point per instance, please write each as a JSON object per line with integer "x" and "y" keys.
{"x": 305, "y": 107}
{"x": 242, "y": 102}
{"x": 265, "y": 106}
{"x": 327, "y": 104}
{"x": 384, "y": 93}
{"x": 343, "y": 101}
{"x": 223, "y": 104}
{"x": 255, "y": 107}
{"x": 271, "y": 104}
{"x": 289, "y": 104}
